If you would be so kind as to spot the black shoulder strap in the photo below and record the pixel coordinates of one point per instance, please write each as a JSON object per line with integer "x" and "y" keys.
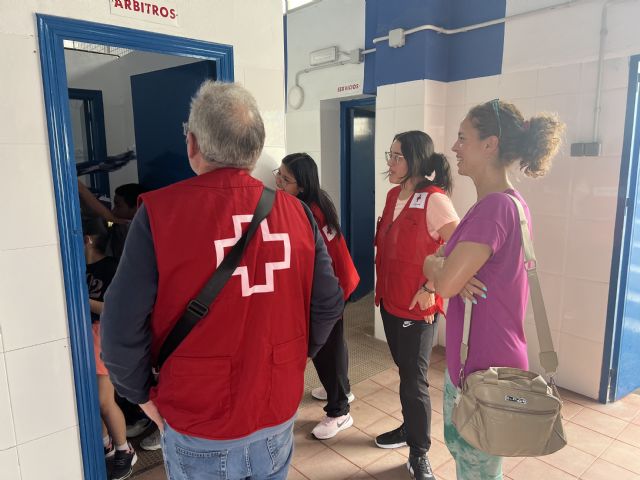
{"x": 198, "y": 308}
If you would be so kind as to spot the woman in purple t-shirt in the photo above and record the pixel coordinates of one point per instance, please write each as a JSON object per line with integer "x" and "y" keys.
{"x": 483, "y": 259}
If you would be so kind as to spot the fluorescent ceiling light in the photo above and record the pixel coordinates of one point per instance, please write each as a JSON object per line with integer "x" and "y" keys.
{"x": 290, "y": 5}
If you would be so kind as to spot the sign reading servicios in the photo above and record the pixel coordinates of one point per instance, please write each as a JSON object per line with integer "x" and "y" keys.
{"x": 158, "y": 11}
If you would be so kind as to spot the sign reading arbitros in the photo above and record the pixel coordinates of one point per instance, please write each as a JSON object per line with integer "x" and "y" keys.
{"x": 157, "y": 12}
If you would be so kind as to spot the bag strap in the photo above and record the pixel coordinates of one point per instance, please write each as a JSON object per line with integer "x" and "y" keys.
{"x": 198, "y": 307}
{"x": 548, "y": 356}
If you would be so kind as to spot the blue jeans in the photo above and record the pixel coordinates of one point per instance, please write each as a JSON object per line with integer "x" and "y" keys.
{"x": 193, "y": 458}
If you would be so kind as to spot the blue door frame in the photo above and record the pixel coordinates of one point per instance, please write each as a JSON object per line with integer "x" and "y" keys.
{"x": 625, "y": 216}
{"x": 51, "y": 32}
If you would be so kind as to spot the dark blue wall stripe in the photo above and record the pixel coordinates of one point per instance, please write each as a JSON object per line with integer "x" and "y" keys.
{"x": 427, "y": 54}
{"x": 477, "y": 53}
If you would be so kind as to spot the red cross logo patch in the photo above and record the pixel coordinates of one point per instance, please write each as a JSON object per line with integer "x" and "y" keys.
{"x": 270, "y": 267}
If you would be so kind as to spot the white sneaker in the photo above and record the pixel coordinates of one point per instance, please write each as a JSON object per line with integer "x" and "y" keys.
{"x": 321, "y": 394}
{"x": 151, "y": 442}
{"x": 330, "y": 426}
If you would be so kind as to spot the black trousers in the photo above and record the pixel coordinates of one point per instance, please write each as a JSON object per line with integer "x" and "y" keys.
{"x": 332, "y": 365}
{"x": 410, "y": 343}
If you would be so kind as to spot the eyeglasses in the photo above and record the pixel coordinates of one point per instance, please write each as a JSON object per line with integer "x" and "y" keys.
{"x": 392, "y": 158}
{"x": 495, "y": 103}
{"x": 282, "y": 178}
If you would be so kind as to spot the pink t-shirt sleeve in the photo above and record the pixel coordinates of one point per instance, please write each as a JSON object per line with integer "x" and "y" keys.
{"x": 440, "y": 211}
{"x": 489, "y": 223}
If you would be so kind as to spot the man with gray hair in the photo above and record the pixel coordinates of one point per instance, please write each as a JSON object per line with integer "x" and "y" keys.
{"x": 225, "y": 399}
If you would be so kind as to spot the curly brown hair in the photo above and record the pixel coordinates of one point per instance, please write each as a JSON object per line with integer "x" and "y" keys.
{"x": 534, "y": 142}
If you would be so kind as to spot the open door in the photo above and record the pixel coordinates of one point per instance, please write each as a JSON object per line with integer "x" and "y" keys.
{"x": 89, "y": 140}
{"x": 358, "y": 188}
{"x": 161, "y": 102}
{"x": 621, "y": 365}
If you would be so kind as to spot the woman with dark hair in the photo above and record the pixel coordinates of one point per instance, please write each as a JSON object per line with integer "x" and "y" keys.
{"x": 418, "y": 218}
{"x": 484, "y": 257}
{"x": 298, "y": 176}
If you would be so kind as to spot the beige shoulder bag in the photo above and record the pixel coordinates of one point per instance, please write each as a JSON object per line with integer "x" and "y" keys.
{"x": 510, "y": 412}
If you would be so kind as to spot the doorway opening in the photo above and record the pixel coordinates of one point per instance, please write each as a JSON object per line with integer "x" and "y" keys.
{"x": 95, "y": 143}
{"x": 357, "y": 184}
{"x": 621, "y": 359}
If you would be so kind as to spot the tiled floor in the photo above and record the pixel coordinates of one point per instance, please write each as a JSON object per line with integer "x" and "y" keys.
{"x": 604, "y": 440}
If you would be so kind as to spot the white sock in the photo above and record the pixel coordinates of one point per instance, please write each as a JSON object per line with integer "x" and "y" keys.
{"x": 106, "y": 441}
{"x": 123, "y": 447}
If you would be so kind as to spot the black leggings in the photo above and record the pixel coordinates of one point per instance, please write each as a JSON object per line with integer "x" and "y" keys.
{"x": 410, "y": 343}
{"x": 332, "y": 365}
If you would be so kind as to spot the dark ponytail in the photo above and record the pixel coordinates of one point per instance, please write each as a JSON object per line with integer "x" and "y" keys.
{"x": 438, "y": 166}
{"x": 422, "y": 161}
{"x": 305, "y": 171}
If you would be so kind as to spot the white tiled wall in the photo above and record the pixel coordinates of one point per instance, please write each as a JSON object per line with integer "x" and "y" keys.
{"x": 54, "y": 456}
{"x": 38, "y": 422}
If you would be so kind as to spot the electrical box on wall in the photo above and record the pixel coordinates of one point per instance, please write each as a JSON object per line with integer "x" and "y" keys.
{"x": 325, "y": 55}
{"x": 396, "y": 38}
{"x": 588, "y": 149}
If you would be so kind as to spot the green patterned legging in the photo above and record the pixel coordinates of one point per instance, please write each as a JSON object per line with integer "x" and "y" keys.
{"x": 471, "y": 463}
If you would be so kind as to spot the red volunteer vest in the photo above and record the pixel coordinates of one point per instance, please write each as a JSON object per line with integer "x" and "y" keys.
{"x": 343, "y": 265}
{"x": 401, "y": 247}
{"x": 241, "y": 368}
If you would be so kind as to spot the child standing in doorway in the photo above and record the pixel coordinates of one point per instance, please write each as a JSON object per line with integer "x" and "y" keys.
{"x": 100, "y": 271}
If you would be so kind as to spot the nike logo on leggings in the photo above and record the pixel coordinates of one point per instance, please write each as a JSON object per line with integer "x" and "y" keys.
{"x": 407, "y": 323}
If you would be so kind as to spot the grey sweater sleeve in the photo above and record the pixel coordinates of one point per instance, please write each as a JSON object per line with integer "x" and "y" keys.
{"x": 327, "y": 299}
{"x": 125, "y": 325}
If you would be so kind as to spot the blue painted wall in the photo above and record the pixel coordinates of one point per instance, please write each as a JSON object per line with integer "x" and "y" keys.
{"x": 427, "y": 54}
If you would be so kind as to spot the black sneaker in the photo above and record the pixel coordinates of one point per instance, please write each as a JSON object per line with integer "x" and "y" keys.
{"x": 394, "y": 439}
{"x": 419, "y": 467}
{"x": 123, "y": 462}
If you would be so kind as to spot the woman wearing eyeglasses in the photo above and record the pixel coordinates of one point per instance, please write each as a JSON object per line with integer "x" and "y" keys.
{"x": 298, "y": 175}
{"x": 417, "y": 219}
{"x": 483, "y": 260}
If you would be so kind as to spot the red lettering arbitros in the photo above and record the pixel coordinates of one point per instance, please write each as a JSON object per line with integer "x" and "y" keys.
{"x": 144, "y": 7}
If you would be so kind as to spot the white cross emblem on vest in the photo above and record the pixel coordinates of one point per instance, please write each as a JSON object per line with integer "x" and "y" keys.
{"x": 269, "y": 267}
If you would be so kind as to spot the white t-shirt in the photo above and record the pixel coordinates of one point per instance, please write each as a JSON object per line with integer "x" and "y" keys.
{"x": 439, "y": 212}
